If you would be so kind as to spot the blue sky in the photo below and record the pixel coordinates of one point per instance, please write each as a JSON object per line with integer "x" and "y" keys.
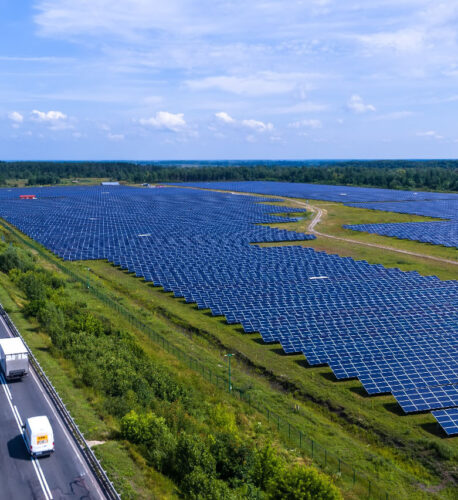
{"x": 215, "y": 79}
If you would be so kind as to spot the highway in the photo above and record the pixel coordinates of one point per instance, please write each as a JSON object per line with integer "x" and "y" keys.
{"x": 64, "y": 474}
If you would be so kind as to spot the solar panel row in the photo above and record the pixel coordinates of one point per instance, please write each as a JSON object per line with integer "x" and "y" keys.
{"x": 440, "y": 205}
{"x": 396, "y": 331}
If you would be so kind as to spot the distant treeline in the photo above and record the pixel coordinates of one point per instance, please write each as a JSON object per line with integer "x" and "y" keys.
{"x": 439, "y": 175}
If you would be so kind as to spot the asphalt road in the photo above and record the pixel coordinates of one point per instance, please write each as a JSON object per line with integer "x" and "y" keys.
{"x": 63, "y": 475}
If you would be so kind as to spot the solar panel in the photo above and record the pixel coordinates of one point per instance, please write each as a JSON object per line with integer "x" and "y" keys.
{"x": 397, "y": 331}
{"x": 448, "y": 419}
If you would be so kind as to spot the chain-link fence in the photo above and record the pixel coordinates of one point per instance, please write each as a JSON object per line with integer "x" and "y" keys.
{"x": 360, "y": 484}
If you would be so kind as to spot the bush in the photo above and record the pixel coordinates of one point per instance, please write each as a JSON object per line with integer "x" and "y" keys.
{"x": 267, "y": 466}
{"x": 233, "y": 459}
{"x": 192, "y": 453}
{"x": 303, "y": 483}
{"x": 197, "y": 485}
{"x": 15, "y": 258}
{"x": 152, "y": 432}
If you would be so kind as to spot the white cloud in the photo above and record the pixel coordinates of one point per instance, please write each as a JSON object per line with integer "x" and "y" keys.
{"x": 224, "y": 117}
{"x": 16, "y": 117}
{"x": 306, "y": 124}
{"x": 115, "y": 137}
{"x": 395, "y": 115}
{"x": 430, "y": 133}
{"x": 407, "y": 40}
{"x": 357, "y": 105}
{"x": 166, "y": 121}
{"x": 264, "y": 83}
{"x": 55, "y": 120}
{"x": 257, "y": 125}
{"x": 49, "y": 116}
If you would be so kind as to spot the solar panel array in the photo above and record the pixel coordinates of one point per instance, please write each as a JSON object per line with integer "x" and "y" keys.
{"x": 396, "y": 331}
{"x": 440, "y": 205}
{"x": 438, "y": 233}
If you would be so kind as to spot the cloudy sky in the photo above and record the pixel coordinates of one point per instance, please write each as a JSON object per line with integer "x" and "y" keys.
{"x": 215, "y": 79}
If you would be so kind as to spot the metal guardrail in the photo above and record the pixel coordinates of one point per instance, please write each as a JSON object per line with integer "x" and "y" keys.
{"x": 342, "y": 468}
{"x": 91, "y": 460}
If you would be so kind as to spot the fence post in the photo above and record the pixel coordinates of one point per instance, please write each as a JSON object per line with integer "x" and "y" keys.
{"x": 300, "y": 439}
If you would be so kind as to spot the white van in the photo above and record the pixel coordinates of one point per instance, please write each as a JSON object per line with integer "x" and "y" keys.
{"x": 38, "y": 435}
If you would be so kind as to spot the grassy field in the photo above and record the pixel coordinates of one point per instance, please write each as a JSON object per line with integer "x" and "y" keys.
{"x": 407, "y": 456}
{"x": 337, "y": 215}
{"x": 132, "y": 477}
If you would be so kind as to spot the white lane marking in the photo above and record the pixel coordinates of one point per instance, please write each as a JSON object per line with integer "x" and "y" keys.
{"x": 87, "y": 473}
{"x": 19, "y": 419}
{"x": 41, "y": 477}
{"x": 35, "y": 463}
{"x": 5, "y": 386}
{"x": 58, "y": 419}
{"x": 40, "y": 470}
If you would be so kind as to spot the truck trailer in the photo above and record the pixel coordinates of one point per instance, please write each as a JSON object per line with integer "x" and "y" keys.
{"x": 14, "y": 358}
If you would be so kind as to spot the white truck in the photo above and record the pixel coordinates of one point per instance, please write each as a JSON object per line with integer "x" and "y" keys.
{"x": 14, "y": 358}
{"x": 38, "y": 436}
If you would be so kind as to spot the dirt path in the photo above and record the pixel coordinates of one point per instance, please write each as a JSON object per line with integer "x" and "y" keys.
{"x": 319, "y": 212}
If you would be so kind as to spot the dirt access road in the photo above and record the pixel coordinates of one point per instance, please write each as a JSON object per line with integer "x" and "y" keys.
{"x": 319, "y": 213}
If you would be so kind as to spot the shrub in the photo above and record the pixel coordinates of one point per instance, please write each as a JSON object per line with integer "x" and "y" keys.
{"x": 197, "y": 485}
{"x": 302, "y": 483}
{"x": 267, "y": 466}
{"x": 191, "y": 453}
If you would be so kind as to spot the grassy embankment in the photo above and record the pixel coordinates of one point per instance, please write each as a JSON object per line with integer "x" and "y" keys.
{"x": 407, "y": 452}
{"x": 413, "y": 444}
{"x": 130, "y": 472}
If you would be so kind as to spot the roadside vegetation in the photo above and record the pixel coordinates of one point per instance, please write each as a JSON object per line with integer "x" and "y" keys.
{"x": 174, "y": 423}
{"x": 405, "y": 456}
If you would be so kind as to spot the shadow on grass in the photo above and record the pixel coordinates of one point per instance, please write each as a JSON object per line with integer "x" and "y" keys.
{"x": 394, "y": 408}
{"x": 303, "y": 363}
{"x": 434, "y": 429}
{"x": 329, "y": 376}
{"x": 360, "y": 391}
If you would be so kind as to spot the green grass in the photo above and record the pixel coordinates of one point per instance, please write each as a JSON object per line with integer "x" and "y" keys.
{"x": 133, "y": 479}
{"x": 338, "y": 215}
{"x": 367, "y": 432}
{"x": 407, "y": 454}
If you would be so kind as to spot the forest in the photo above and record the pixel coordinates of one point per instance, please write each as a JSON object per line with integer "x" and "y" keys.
{"x": 439, "y": 175}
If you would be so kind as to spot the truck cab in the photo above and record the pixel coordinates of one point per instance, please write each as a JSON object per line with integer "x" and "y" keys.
{"x": 14, "y": 358}
{"x": 38, "y": 436}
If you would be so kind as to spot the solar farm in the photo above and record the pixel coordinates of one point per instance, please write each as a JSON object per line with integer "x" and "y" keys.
{"x": 443, "y": 206}
{"x": 395, "y": 331}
